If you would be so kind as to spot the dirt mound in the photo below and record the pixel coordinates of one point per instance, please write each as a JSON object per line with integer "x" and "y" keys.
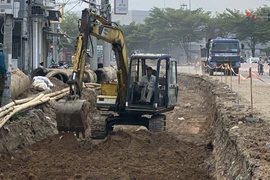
{"x": 124, "y": 155}
{"x": 35, "y": 124}
{"x": 28, "y": 127}
{"x": 57, "y": 85}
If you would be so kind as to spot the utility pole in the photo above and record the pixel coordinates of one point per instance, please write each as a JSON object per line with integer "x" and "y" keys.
{"x": 7, "y": 50}
{"x": 8, "y": 27}
{"x": 29, "y": 38}
{"x": 183, "y": 6}
{"x": 93, "y": 59}
{"x": 164, "y": 4}
{"x": 107, "y": 47}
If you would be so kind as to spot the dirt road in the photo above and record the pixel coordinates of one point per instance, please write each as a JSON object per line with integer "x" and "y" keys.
{"x": 183, "y": 152}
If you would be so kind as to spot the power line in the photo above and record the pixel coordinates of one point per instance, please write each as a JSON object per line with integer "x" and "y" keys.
{"x": 72, "y": 7}
{"x": 67, "y": 3}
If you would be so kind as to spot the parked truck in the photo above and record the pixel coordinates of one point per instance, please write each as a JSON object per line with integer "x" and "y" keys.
{"x": 221, "y": 51}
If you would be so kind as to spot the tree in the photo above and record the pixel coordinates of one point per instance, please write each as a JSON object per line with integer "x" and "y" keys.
{"x": 267, "y": 51}
{"x": 70, "y": 26}
{"x": 254, "y": 31}
{"x": 181, "y": 28}
{"x": 135, "y": 37}
{"x": 166, "y": 28}
{"x": 178, "y": 27}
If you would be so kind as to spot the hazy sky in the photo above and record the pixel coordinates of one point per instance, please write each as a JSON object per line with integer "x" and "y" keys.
{"x": 208, "y": 5}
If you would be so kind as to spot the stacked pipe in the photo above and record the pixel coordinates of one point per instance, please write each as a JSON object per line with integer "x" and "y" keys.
{"x": 106, "y": 74}
{"x": 64, "y": 74}
{"x": 101, "y": 75}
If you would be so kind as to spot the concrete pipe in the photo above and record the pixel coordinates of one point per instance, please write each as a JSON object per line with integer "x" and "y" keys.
{"x": 61, "y": 74}
{"x": 105, "y": 74}
{"x": 89, "y": 76}
{"x": 39, "y": 72}
{"x": 19, "y": 83}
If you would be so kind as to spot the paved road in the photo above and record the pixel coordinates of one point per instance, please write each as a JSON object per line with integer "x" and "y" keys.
{"x": 245, "y": 68}
{"x": 243, "y": 71}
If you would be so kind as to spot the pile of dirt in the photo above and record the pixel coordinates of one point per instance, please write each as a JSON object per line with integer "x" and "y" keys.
{"x": 35, "y": 124}
{"x": 28, "y": 127}
{"x": 179, "y": 153}
{"x": 57, "y": 85}
{"x": 124, "y": 155}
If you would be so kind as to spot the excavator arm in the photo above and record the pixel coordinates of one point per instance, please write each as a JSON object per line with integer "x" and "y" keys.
{"x": 72, "y": 113}
{"x": 97, "y": 26}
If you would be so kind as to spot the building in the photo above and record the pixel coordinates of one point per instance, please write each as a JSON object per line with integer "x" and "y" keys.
{"x": 132, "y": 16}
{"x": 23, "y": 31}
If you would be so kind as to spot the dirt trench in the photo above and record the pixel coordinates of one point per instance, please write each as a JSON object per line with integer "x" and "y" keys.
{"x": 196, "y": 145}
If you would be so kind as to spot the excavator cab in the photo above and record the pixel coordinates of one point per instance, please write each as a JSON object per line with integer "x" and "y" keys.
{"x": 165, "y": 91}
{"x": 165, "y": 87}
{"x": 138, "y": 113}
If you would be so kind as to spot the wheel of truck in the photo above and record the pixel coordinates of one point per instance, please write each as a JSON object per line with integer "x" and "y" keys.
{"x": 99, "y": 127}
{"x": 157, "y": 123}
{"x": 211, "y": 72}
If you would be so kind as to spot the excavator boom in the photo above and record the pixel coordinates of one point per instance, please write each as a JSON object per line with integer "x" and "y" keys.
{"x": 72, "y": 112}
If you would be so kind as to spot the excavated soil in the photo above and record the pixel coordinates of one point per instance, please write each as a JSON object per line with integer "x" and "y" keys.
{"x": 184, "y": 151}
{"x": 35, "y": 124}
{"x": 206, "y": 138}
{"x": 57, "y": 85}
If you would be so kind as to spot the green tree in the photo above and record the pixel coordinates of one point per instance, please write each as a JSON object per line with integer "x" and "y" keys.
{"x": 254, "y": 31}
{"x": 267, "y": 51}
{"x": 70, "y": 26}
{"x": 178, "y": 27}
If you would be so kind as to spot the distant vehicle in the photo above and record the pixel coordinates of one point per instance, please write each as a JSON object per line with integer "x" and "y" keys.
{"x": 253, "y": 60}
{"x": 221, "y": 51}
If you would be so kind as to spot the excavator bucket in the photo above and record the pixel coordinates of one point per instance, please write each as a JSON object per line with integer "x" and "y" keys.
{"x": 71, "y": 116}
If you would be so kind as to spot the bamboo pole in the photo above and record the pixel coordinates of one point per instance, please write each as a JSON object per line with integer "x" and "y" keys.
{"x": 57, "y": 92}
{"x": 59, "y": 96}
{"x": 16, "y": 102}
{"x": 6, "y": 111}
{"x": 94, "y": 84}
{"x": 16, "y": 106}
{"x": 3, "y": 113}
{"x": 35, "y": 102}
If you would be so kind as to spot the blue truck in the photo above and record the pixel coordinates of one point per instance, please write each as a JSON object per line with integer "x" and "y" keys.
{"x": 221, "y": 51}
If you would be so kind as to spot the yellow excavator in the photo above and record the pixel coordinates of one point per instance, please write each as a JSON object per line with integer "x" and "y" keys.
{"x": 122, "y": 99}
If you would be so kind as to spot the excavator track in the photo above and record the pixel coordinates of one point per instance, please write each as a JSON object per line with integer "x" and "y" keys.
{"x": 99, "y": 127}
{"x": 157, "y": 123}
